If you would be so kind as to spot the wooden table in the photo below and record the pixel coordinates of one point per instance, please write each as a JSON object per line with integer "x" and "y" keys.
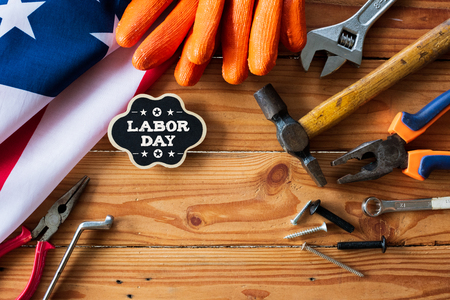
{"x": 213, "y": 228}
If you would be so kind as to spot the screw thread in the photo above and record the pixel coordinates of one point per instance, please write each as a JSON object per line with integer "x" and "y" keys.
{"x": 314, "y": 251}
{"x": 304, "y": 232}
{"x": 294, "y": 221}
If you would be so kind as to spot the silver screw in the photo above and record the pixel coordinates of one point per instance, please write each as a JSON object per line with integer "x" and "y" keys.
{"x": 314, "y": 251}
{"x": 323, "y": 227}
{"x": 294, "y": 221}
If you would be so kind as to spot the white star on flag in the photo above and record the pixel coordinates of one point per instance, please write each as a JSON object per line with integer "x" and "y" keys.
{"x": 108, "y": 38}
{"x": 15, "y": 14}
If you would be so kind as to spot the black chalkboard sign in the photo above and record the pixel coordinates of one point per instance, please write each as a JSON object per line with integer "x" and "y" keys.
{"x": 156, "y": 131}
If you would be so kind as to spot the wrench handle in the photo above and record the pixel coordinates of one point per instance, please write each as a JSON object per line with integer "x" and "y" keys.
{"x": 333, "y": 110}
{"x": 372, "y": 10}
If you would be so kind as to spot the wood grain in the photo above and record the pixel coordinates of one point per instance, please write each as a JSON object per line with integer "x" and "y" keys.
{"x": 236, "y": 273}
{"x": 213, "y": 228}
{"x": 235, "y": 121}
{"x": 240, "y": 199}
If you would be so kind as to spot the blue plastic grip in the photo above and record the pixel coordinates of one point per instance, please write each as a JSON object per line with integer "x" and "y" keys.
{"x": 433, "y": 162}
{"x": 427, "y": 113}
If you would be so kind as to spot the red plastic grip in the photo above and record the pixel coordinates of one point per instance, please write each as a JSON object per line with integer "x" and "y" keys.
{"x": 19, "y": 240}
{"x": 38, "y": 267}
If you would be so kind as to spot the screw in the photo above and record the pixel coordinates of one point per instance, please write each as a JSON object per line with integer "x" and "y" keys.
{"x": 363, "y": 245}
{"x": 315, "y": 207}
{"x": 294, "y": 221}
{"x": 323, "y": 227}
{"x": 314, "y": 251}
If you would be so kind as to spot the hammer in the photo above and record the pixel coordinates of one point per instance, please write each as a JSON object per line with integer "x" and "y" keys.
{"x": 294, "y": 136}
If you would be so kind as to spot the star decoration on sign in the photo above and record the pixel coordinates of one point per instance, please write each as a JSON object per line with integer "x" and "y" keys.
{"x": 170, "y": 112}
{"x": 144, "y": 153}
{"x": 14, "y": 14}
{"x": 158, "y": 153}
{"x": 157, "y": 111}
{"x": 171, "y": 153}
{"x": 143, "y": 112}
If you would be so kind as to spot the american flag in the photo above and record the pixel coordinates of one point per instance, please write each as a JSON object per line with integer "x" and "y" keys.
{"x": 57, "y": 72}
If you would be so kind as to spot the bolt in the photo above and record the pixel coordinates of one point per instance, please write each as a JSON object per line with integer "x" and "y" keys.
{"x": 323, "y": 227}
{"x": 315, "y": 207}
{"x": 363, "y": 245}
{"x": 314, "y": 251}
{"x": 294, "y": 221}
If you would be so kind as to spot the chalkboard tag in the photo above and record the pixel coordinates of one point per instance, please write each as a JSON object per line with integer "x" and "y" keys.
{"x": 156, "y": 131}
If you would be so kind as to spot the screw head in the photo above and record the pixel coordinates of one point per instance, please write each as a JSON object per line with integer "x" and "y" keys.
{"x": 303, "y": 246}
{"x": 324, "y": 227}
{"x": 383, "y": 243}
{"x": 314, "y": 206}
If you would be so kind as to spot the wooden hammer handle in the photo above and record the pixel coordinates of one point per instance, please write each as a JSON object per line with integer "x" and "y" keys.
{"x": 330, "y": 112}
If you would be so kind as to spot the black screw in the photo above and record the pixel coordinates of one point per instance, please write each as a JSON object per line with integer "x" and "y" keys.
{"x": 363, "y": 245}
{"x": 315, "y": 207}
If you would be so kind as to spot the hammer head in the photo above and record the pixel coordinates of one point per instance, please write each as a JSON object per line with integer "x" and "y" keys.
{"x": 291, "y": 134}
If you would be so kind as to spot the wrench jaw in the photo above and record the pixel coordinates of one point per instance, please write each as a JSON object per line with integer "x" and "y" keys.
{"x": 389, "y": 154}
{"x": 330, "y": 39}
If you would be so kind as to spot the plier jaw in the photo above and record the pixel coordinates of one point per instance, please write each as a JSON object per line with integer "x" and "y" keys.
{"x": 59, "y": 211}
{"x": 56, "y": 215}
{"x": 388, "y": 154}
{"x": 391, "y": 153}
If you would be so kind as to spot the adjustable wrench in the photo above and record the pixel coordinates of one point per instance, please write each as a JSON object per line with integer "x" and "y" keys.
{"x": 343, "y": 41}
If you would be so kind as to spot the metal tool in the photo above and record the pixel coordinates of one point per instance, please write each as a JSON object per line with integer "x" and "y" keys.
{"x": 373, "y": 207}
{"x": 297, "y": 217}
{"x": 363, "y": 245}
{"x": 82, "y": 227}
{"x": 391, "y": 153}
{"x": 343, "y": 41}
{"x": 322, "y": 227}
{"x": 330, "y": 112}
{"x": 290, "y": 133}
{"x": 337, "y": 263}
{"x": 49, "y": 224}
{"x": 316, "y": 208}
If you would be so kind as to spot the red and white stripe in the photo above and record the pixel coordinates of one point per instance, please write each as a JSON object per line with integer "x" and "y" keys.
{"x": 59, "y": 133}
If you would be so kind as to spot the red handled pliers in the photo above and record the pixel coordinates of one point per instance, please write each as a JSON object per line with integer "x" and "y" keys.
{"x": 56, "y": 215}
{"x": 391, "y": 153}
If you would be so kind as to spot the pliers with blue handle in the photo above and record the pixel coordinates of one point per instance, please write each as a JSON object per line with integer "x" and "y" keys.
{"x": 56, "y": 215}
{"x": 391, "y": 153}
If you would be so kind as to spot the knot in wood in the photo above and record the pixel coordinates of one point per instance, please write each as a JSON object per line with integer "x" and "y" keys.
{"x": 278, "y": 174}
{"x": 194, "y": 220}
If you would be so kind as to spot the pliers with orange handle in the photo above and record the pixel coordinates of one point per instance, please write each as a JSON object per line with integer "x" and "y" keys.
{"x": 391, "y": 153}
{"x": 56, "y": 215}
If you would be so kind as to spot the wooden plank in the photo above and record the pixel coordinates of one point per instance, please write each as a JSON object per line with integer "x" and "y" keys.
{"x": 234, "y": 273}
{"x": 235, "y": 121}
{"x": 398, "y": 27}
{"x": 235, "y": 198}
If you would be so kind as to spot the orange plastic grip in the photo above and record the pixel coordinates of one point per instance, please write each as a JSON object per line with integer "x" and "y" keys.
{"x": 422, "y": 162}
